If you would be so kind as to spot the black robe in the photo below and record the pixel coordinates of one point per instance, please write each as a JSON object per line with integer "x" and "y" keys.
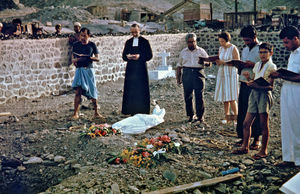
{"x": 136, "y": 94}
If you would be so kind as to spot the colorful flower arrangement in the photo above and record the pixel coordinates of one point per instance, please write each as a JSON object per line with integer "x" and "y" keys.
{"x": 100, "y": 130}
{"x": 147, "y": 153}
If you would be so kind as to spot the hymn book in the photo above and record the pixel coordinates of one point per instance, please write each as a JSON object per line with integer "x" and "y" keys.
{"x": 80, "y": 55}
{"x": 208, "y": 59}
{"x": 236, "y": 63}
{"x": 262, "y": 82}
{"x": 287, "y": 73}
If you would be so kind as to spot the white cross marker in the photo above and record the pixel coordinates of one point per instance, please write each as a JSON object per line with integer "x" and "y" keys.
{"x": 164, "y": 56}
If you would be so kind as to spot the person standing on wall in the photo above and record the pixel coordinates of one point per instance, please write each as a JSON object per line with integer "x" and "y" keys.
{"x": 250, "y": 55}
{"x": 75, "y": 37}
{"x": 136, "y": 93}
{"x": 84, "y": 53}
{"x": 227, "y": 78}
{"x": 191, "y": 74}
{"x": 289, "y": 100}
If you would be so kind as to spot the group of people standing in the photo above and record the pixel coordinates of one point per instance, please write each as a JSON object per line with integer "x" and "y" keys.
{"x": 249, "y": 102}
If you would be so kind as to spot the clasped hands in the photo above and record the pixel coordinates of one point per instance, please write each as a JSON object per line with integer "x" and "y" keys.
{"x": 133, "y": 56}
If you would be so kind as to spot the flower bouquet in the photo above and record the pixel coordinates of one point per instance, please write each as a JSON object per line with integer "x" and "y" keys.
{"x": 147, "y": 153}
{"x": 100, "y": 130}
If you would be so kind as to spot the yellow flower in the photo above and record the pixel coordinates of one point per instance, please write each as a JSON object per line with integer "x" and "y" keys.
{"x": 92, "y": 135}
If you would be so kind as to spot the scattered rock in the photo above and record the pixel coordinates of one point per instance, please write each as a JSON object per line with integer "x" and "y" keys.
{"x": 50, "y": 157}
{"x": 221, "y": 188}
{"x": 196, "y": 191}
{"x": 247, "y": 162}
{"x": 34, "y": 160}
{"x": 115, "y": 188}
{"x": 21, "y": 168}
{"x": 204, "y": 174}
{"x": 59, "y": 159}
{"x": 134, "y": 189}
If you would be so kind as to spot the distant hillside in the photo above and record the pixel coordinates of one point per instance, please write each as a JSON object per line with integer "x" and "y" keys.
{"x": 8, "y": 4}
{"x": 219, "y": 6}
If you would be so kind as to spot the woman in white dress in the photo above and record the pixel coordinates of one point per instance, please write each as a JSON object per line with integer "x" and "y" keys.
{"x": 227, "y": 78}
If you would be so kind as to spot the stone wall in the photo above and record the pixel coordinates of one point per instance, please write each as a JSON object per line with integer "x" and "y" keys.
{"x": 34, "y": 68}
{"x": 209, "y": 41}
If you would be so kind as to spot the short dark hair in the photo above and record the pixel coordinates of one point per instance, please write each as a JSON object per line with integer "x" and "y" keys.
{"x": 225, "y": 35}
{"x": 290, "y": 32}
{"x": 85, "y": 30}
{"x": 135, "y": 25}
{"x": 248, "y": 31}
{"x": 190, "y": 35}
{"x": 267, "y": 46}
{"x": 17, "y": 21}
{"x": 57, "y": 26}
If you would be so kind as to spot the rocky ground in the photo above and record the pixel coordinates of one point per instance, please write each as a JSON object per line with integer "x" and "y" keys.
{"x": 66, "y": 163}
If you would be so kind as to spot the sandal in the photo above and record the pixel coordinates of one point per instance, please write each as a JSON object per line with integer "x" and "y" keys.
{"x": 240, "y": 151}
{"x": 258, "y": 157}
{"x": 239, "y": 143}
{"x": 255, "y": 146}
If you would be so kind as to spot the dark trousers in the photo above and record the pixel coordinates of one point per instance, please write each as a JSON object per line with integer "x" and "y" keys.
{"x": 242, "y": 111}
{"x": 193, "y": 81}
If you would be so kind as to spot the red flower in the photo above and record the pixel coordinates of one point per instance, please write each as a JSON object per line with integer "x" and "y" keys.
{"x": 103, "y": 133}
{"x": 159, "y": 143}
{"x": 124, "y": 161}
{"x": 117, "y": 161}
{"x": 152, "y": 141}
{"x": 165, "y": 138}
{"x": 97, "y": 132}
{"x": 114, "y": 131}
{"x": 145, "y": 154}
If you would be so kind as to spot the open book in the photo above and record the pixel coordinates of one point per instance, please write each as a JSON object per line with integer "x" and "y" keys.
{"x": 259, "y": 81}
{"x": 287, "y": 73}
{"x": 262, "y": 82}
{"x": 208, "y": 59}
{"x": 80, "y": 55}
{"x": 236, "y": 63}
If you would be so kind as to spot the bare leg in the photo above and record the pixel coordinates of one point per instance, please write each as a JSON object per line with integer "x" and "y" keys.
{"x": 77, "y": 100}
{"x": 96, "y": 114}
{"x": 226, "y": 112}
{"x": 233, "y": 106}
{"x": 226, "y": 108}
{"x": 247, "y": 130}
{"x": 264, "y": 124}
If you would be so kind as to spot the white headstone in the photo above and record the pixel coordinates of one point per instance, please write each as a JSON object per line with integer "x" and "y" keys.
{"x": 164, "y": 56}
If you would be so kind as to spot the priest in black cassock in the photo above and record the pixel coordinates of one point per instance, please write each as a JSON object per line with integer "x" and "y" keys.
{"x": 136, "y": 96}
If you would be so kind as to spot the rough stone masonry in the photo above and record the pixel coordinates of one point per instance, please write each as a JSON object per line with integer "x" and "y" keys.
{"x": 35, "y": 68}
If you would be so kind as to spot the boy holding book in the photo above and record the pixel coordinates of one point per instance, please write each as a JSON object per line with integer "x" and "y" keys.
{"x": 260, "y": 100}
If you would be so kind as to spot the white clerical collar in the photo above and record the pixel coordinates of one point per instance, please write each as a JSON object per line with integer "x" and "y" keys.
{"x": 135, "y": 41}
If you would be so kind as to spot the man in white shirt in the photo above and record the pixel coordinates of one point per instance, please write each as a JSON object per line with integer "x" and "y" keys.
{"x": 191, "y": 75}
{"x": 250, "y": 55}
{"x": 289, "y": 100}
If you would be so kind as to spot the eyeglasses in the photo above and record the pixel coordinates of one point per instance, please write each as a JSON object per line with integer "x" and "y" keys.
{"x": 263, "y": 52}
{"x": 191, "y": 41}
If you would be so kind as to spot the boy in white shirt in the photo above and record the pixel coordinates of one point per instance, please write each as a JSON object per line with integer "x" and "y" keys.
{"x": 260, "y": 101}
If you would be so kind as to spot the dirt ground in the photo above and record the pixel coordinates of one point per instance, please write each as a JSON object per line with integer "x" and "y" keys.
{"x": 44, "y": 130}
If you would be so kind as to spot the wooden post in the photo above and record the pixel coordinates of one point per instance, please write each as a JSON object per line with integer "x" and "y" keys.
{"x": 235, "y": 14}
{"x": 2, "y": 114}
{"x": 194, "y": 185}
